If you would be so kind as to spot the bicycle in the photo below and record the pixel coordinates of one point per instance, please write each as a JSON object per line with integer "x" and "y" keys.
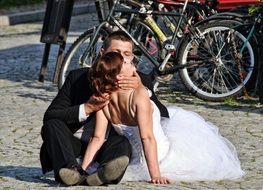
{"x": 203, "y": 69}
{"x": 247, "y": 20}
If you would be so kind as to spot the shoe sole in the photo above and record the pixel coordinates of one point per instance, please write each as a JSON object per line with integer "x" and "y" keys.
{"x": 70, "y": 177}
{"x": 111, "y": 171}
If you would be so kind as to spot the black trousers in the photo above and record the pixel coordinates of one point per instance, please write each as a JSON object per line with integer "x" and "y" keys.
{"x": 260, "y": 82}
{"x": 60, "y": 148}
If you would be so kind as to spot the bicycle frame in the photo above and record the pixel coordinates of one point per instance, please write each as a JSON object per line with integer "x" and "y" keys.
{"x": 170, "y": 46}
{"x": 251, "y": 32}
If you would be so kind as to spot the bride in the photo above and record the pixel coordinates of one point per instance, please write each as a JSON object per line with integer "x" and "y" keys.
{"x": 182, "y": 147}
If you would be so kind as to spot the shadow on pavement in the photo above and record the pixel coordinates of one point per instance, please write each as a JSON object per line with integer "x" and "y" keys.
{"x": 23, "y": 63}
{"x": 176, "y": 94}
{"x": 27, "y": 174}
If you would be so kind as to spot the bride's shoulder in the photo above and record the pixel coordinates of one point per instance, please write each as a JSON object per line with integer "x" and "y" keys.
{"x": 141, "y": 93}
{"x": 141, "y": 90}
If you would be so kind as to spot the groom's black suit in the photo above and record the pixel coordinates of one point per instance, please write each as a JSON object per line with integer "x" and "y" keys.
{"x": 61, "y": 120}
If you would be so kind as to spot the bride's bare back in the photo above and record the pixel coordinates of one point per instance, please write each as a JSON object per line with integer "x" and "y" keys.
{"x": 121, "y": 108}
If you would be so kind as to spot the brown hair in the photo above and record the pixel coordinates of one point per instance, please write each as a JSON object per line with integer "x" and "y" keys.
{"x": 116, "y": 35}
{"x": 103, "y": 73}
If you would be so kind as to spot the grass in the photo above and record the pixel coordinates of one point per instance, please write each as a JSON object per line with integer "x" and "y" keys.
{"x": 242, "y": 100}
{"x": 230, "y": 101}
{"x": 5, "y": 4}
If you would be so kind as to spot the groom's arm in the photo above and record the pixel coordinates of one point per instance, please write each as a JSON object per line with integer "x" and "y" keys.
{"x": 75, "y": 101}
{"x": 61, "y": 107}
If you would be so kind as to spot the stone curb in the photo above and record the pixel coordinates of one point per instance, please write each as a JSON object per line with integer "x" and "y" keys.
{"x": 38, "y": 15}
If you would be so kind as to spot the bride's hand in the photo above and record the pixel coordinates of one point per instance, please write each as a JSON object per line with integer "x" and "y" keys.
{"x": 160, "y": 180}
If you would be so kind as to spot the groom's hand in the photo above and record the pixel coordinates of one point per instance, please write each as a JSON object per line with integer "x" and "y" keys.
{"x": 129, "y": 82}
{"x": 96, "y": 103}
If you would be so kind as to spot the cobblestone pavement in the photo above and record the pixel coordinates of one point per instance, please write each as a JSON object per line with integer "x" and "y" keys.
{"x": 24, "y": 100}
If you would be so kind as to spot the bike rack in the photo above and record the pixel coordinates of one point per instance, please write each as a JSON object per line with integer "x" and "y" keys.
{"x": 55, "y": 29}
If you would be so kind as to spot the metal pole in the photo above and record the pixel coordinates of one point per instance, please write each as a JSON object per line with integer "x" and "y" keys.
{"x": 60, "y": 58}
{"x": 43, "y": 68}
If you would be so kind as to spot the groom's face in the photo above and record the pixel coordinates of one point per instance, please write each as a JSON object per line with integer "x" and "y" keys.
{"x": 122, "y": 47}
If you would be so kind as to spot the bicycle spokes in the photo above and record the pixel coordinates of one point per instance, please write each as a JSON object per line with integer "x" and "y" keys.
{"x": 220, "y": 69}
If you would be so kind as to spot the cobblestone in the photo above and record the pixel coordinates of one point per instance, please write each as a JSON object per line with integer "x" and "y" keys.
{"x": 23, "y": 102}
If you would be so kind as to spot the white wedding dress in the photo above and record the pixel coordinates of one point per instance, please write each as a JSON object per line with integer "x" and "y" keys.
{"x": 189, "y": 148}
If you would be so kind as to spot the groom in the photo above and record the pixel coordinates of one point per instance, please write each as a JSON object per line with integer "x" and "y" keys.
{"x": 73, "y": 108}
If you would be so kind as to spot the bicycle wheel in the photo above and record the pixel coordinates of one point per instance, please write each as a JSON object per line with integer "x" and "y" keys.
{"x": 147, "y": 38}
{"x": 73, "y": 56}
{"x": 219, "y": 70}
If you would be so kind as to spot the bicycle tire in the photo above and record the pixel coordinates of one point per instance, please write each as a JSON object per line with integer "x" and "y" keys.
{"x": 76, "y": 50}
{"x": 239, "y": 24}
{"x": 148, "y": 39}
{"x": 217, "y": 78}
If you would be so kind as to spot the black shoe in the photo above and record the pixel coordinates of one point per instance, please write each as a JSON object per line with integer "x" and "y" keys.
{"x": 73, "y": 176}
{"x": 109, "y": 172}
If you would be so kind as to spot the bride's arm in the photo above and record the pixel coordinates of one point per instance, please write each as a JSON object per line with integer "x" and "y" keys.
{"x": 143, "y": 109}
{"x": 97, "y": 139}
